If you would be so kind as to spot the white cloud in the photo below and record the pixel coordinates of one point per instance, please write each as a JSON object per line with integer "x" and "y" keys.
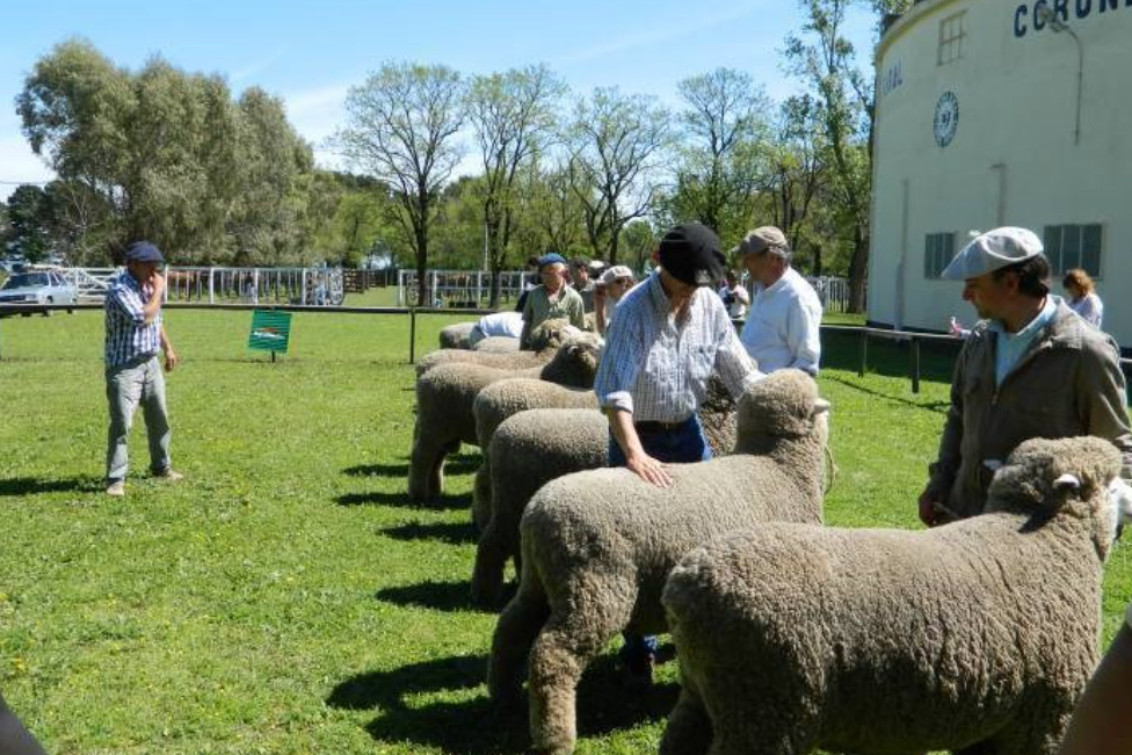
{"x": 316, "y": 114}
{"x": 18, "y": 164}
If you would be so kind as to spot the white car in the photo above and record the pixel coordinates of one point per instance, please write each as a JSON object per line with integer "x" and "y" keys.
{"x": 38, "y": 288}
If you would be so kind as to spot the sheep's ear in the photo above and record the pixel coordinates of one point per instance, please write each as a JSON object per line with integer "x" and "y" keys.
{"x": 1070, "y": 481}
{"x": 821, "y": 406}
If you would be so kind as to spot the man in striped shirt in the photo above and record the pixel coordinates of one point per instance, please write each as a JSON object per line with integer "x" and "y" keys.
{"x": 134, "y": 335}
{"x": 670, "y": 334}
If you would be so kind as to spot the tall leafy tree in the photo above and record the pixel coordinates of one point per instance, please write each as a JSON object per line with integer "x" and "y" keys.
{"x": 512, "y": 114}
{"x": 403, "y": 128}
{"x": 725, "y": 126}
{"x": 615, "y": 143}
{"x": 27, "y": 208}
{"x": 824, "y": 59}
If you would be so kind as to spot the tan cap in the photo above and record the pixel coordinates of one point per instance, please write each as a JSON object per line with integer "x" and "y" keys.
{"x": 992, "y": 251}
{"x": 762, "y": 239}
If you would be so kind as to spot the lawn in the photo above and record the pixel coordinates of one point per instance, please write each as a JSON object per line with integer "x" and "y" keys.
{"x": 285, "y": 597}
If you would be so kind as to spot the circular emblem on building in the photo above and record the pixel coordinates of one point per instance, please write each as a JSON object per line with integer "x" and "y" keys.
{"x": 946, "y": 118}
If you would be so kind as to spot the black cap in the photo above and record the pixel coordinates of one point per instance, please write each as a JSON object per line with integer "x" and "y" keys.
{"x": 690, "y": 253}
{"x": 143, "y": 251}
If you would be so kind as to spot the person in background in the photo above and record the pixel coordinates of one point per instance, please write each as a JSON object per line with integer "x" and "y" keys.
{"x": 508, "y": 324}
{"x": 613, "y": 284}
{"x": 582, "y": 283}
{"x": 1030, "y": 368}
{"x": 1083, "y": 298}
{"x": 528, "y": 284}
{"x": 735, "y": 296}
{"x": 1102, "y": 722}
{"x": 552, "y": 299}
{"x": 670, "y": 334}
{"x": 783, "y": 327}
{"x": 134, "y": 335}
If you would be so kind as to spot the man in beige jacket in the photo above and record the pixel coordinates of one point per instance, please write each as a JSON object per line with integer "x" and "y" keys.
{"x": 1031, "y": 368}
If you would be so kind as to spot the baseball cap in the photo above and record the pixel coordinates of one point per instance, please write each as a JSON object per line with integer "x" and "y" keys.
{"x": 690, "y": 253}
{"x": 762, "y": 239}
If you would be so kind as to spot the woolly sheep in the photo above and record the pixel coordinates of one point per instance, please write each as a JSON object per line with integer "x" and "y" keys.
{"x": 542, "y": 446}
{"x": 547, "y": 338}
{"x": 975, "y": 637}
{"x": 597, "y": 545}
{"x": 444, "y": 406}
{"x": 456, "y": 336}
{"x": 497, "y": 345}
{"x": 501, "y": 400}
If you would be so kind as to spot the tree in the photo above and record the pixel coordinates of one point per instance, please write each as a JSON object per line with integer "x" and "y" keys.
{"x": 724, "y": 129}
{"x": 824, "y": 59}
{"x": 403, "y": 124}
{"x": 615, "y": 142}
{"x": 26, "y": 235}
{"x": 165, "y": 155}
{"x": 512, "y": 114}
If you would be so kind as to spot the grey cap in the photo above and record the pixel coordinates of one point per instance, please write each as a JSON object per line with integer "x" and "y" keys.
{"x": 764, "y": 239}
{"x": 992, "y": 251}
{"x": 615, "y": 272}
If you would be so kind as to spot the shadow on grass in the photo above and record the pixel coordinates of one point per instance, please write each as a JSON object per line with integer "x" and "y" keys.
{"x": 439, "y": 596}
{"x": 456, "y": 465}
{"x": 474, "y": 726}
{"x": 401, "y": 500}
{"x": 21, "y": 486}
{"x": 939, "y": 407}
{"x": 455, "y": 533}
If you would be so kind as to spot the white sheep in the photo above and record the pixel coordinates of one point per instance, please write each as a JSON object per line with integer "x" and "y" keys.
{"x": 543, "y": 445}
{"x": 445, "y": 395}
{"x": 546, "y": 339}
{"x": 455, "y": 336}
{"x": 497, "y": 345}
{"x": 597, "y": 545}
{"x": 974, "y": 637}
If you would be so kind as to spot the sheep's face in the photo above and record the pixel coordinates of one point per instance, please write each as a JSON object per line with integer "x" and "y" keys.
{"x": 1070, "y": 475}
{"x": 581, "y": 353}
{"x": 550, "y": 334}
{"x": 785, "y": 404}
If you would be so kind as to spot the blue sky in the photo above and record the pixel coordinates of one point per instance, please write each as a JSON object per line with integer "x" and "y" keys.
{"x": 311, "y": 53}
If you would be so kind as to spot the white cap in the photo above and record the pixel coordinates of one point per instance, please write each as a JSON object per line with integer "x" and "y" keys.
{"x": 991, "y": 251}
{"x": 615, "y": 272}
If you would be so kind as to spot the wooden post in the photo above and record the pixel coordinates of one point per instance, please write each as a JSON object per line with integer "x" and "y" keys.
{"x": 412, "y": 335}
{"x": 864, "y": 353}
{"x": 915, "y": 365}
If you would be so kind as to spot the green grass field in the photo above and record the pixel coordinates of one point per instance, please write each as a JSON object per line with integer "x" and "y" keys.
{"x": 285, "y": 597}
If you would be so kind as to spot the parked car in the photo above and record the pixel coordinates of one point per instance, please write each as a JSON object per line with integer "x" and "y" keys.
{"x": 38, "y": 288}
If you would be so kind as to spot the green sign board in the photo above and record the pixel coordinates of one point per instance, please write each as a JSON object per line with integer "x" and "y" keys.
{"x": 270, "y": 331}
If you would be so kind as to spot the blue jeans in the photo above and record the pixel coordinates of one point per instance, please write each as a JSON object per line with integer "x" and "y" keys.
{"x": 682, "y": 445}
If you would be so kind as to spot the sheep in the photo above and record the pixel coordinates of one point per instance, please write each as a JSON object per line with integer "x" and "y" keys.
{"x": 597, "y": 545}
{"x": 501, "y": 400}
{"x": 542, "y": 446}
{"x": 444, "y": 406}
{"x": 497, "y": 345}
{"x": 547, "y": 337}
{"x": 974, "y": 637}
{"x": 456, "y": 336}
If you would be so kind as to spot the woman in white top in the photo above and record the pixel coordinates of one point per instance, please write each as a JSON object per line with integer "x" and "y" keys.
{"x": 1082, "y": 298}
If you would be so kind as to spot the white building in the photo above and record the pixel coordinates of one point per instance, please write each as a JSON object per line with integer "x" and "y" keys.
{"x": 1001, "y": 112}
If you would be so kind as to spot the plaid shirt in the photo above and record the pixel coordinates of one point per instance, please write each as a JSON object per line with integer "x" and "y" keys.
{"x": 658, "y": 370}
{"x": 128, "y": 337}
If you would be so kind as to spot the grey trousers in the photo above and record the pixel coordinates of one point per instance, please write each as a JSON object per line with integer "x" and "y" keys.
{"x": 126, "y": 386}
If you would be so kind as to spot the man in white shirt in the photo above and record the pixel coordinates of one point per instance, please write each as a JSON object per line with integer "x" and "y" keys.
{"x": 782, "y": 328}
{"x": 735, "y": 296}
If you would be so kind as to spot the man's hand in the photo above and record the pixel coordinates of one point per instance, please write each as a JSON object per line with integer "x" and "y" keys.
{"x": 929, "y": 514}
{"x": 171, "y": 359}
{"x": 650, "y": 470}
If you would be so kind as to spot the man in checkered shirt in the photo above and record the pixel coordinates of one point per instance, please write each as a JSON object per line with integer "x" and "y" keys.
{"x": 134, "y": 335}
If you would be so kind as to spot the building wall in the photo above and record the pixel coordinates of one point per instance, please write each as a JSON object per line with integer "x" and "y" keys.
{"x": 1014, "y": 158}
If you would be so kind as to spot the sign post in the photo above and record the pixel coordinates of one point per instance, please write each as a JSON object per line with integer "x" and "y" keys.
{"x": 271, "y": 331}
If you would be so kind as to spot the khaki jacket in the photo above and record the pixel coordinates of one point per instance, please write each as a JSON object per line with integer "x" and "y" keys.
{"x": 1067, "y": 383}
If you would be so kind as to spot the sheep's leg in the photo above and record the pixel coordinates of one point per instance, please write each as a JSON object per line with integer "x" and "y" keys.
{"x": 491, "y": 558}
{"x": 689, "y": 728}
{"x": 518, "y": 626}
{"x": 481, "y": 495}
{"x": 564, "y": 648}
{"x": 426, "y": 465}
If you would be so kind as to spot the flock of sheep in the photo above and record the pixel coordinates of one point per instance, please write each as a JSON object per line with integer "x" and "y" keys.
{"x": 976, "y": 637}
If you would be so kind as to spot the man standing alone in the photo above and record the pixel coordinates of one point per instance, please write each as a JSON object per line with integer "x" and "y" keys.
{"x": 134, "y": 334}
{"x": 784, "y": 323}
